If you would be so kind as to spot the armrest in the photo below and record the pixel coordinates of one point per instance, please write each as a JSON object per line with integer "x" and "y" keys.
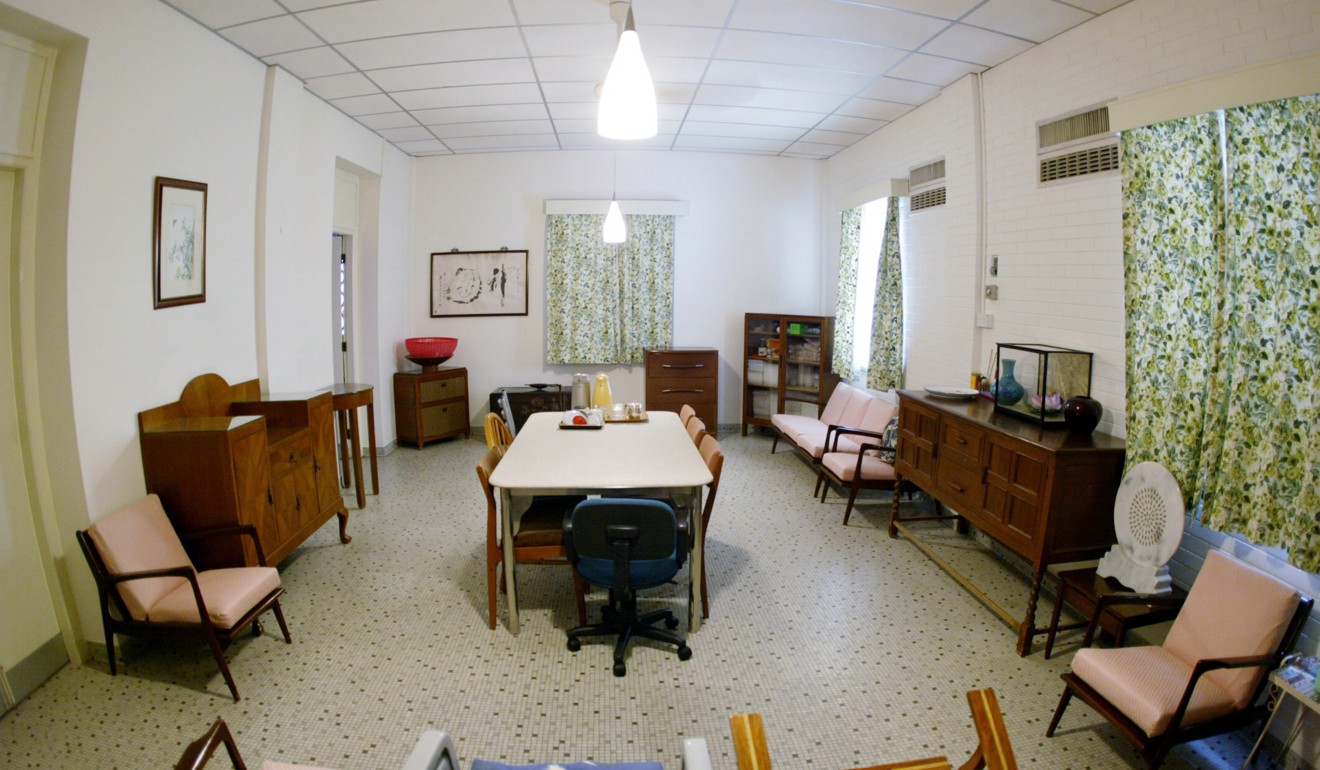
{"x": 1127, "y": 598}
{"x": 695, "y": 754}
{"x": 434, "y": 751}
{"x": 841, "y": 430}
{"x": 1214, "y": 664}
{"x": 236, "y": 529}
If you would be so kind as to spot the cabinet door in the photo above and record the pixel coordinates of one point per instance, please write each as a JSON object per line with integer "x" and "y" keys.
{"x": 443, "y": 388}
{"x": 1016, "y": 476}
{"x": 252, "y": 487}
{"x": 442, "y": 419}
{"x": 918, "y": 432}
{"x": 322, "y": 424}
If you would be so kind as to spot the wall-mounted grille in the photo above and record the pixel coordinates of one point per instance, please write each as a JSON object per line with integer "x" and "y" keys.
{"x": 1084, "y": 125}
{"x": 926, "y": 186}
{"x": 1093, "y": 160}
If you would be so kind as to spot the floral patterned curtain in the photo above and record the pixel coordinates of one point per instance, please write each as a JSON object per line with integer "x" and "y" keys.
{"x": 885, "y": 371}
{"x": 1222, "y": 264}
{"x": 1262, "y": 460}
{"x": 850, "y": 239}
{"x": 607, "y": 303}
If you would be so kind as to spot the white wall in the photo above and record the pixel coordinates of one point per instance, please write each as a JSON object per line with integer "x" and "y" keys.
{"x": 749, "y": 243}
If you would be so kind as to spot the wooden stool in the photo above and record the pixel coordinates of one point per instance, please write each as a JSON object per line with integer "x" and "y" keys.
{"x": 1082, "y": 588}
{"x": 348, "y": 397}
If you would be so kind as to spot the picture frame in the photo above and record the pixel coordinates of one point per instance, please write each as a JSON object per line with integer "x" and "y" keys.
{"x": 478, "y": 283}
{"x": 179, "y": 243}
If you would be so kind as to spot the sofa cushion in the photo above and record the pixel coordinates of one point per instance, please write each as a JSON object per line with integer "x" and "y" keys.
{"x": 799, "y": 429}
{"x": 229, "y": 594}
{"x": 838, "y": 401}
{"x": 1146, "y": 683}
{"x": 878, "y": 414}
{"x": 136, "y": 538}
{"x": 844, "y": 466}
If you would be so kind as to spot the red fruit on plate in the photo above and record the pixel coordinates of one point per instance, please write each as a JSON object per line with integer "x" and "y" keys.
{"x": 579, "y": 420}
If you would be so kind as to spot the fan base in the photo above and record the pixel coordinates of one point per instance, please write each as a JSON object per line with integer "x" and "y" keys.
{"x": 1142, "y": 578}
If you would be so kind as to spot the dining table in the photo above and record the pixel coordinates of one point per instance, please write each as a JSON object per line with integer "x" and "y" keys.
{"x": 653, "y": 456}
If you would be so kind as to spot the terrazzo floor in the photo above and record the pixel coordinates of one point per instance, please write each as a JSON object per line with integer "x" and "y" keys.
{"x": 855, "y": 648}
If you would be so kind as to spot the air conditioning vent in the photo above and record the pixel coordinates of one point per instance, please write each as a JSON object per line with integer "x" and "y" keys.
{"x": 1092, "y": 160}
{"x": 927, "y": 199}
{"x": 927, "y": 174}
{"x": 1083, "y": 125}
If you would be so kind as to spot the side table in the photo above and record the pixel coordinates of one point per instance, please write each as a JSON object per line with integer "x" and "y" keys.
{"x": 1082, "y": 588}
{"x": 1296, "y": 681}
{"x": 347, "y": 397}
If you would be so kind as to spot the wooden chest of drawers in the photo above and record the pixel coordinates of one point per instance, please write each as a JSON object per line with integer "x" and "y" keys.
{"x": 685, "y": 376}
{"x": 431, "y": 405}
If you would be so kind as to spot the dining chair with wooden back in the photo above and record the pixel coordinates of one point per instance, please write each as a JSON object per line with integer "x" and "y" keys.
{"x": 685, "y": 413}
{"x": 714, "y": 457}
{"x": 537, "y": 538}
{"x": 497, "y": 431}
{"x": 696, "y": 429}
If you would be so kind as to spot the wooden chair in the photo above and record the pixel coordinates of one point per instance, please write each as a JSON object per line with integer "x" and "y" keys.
{"x": 148, "y": 586}
{"x": 696, "y": 429}
{"x": 538, "y": 538}
{"x": 497, "y": 431}
{"x": 1234, "y": 627}
{"x": 857, "y": 466}
{"x": 710, "y": 452}
{"x": 993, "y": 751}
{"x": 686, "y": 413}
{"x": 434, "y": 751}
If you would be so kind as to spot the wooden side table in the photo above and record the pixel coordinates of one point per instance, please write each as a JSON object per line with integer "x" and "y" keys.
{"x": 1288, "y": 681}
{"x": 1082, "y": 588}
{"x": 347, "y": 398}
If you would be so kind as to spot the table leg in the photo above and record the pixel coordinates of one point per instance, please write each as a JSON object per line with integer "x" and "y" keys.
{"x": 371, "y": 444}
{"x": 506, "y": 529}
{"x": 341, "y": 417}
{"x": 1028, "y": 628}
{"x": 1054, "y": 620}
{"x": 698, "y": 554}
{"x": 357, "y": 457}
{"x": 1276, "y": 700}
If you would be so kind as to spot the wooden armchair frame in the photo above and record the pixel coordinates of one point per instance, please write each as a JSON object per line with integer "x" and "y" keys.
{"x": 825, "y": 476}
{"x": 121, "y": 621}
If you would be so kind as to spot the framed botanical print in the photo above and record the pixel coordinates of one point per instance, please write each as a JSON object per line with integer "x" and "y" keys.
{"x": 477, "y": 283}
{"x": 179, "y": 258}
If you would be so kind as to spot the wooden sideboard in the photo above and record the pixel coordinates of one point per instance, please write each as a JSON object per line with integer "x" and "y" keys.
{"x": 1046, "y": 495}
{"x": 223, "y": 455}
{"x": 681, "y": 376}
{"x": 431, "y": 405}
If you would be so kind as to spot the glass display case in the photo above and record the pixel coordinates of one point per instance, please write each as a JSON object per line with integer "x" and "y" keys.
{"x": 1033, "y": 381}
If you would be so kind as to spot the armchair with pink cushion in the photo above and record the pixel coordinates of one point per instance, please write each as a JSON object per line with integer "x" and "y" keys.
{"x": 1235, "y": 627}
{"x": 148, "y": 585}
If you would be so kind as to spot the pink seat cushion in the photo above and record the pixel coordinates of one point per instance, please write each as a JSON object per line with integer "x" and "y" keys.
{"x": 844, "y": 466}
{"x": 266, "y": 764}
{"x": 229, "y": 594}
{"x": 1146, "y": 683}
{"x": 807, "y": 433}
{"x": 136, "y": 538}
{"x": 1232, "y": 610}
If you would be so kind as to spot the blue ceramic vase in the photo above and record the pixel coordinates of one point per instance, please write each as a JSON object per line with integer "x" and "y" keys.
{"x": 1010, "y": 390}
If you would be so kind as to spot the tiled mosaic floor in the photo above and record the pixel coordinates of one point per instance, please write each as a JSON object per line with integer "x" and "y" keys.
{"x": 854, "y": 647}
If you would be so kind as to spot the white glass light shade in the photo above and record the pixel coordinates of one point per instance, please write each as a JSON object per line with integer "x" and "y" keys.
{"x": 627, "y": 99}
{"x": 615, "y": 230}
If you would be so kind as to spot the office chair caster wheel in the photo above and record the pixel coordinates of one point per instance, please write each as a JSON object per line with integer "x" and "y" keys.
{"x": 574, "y": 644}
{"x": 671, "y": 622}
{"x": 684, "y": 652}
{"x": 620, "y": 668}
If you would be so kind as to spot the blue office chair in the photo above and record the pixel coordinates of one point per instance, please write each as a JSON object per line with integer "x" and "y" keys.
{"x": 623, "y": 544}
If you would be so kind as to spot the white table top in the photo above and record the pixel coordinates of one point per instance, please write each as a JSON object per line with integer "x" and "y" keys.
{"x": 545, "y": 459}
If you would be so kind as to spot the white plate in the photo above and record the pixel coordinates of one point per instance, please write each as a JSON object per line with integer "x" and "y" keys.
{"x": 952, "y": 392}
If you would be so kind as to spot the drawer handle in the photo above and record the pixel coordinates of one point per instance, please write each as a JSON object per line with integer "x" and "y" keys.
{"x": 682, "y": 390}
{"x": 958, "y": 489}
{"x": 961, "y": 440}
{"x": 270, "y": 498}
{"x": 682, "y": 366}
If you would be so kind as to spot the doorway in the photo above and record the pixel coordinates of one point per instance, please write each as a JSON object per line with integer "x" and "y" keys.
{"x": 342, "y": 273}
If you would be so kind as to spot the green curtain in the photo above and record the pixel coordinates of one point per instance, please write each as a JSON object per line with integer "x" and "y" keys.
{"x": 607, "y": 303}
{"x": 885, "y": 371}
{"x": 1172, "y": 258}
{"x": 1262, "y": 457}
{"x": 850, "y": 239}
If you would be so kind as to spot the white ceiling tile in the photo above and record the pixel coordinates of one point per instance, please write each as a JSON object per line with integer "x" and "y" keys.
{"x": 741, "y": 130}
{"x": 838, "y": 20}
{"x": 814, "y": 149}
{"x": 425, "y": 145}
{"x": 784, "y": 76}
{"x": 386, "y": 18}
{"x": 588, "y": 126}
{"x": 385, "y": 120}
{"x": 561, "y": 11}
{"x": 730, "y": 142}
{"x": 852, "y": 124}
{"x": 527, "y": 141}
{"x": 572, "y": 110}
{"x": 339, "y": 86}
{"x": 975, "y": 45}
{"x": 838, "y": 138}
{"x": 496, "y": 128}
{"x": 407, "y": 134}
{"x": 594, "y": 141}
{"x": 677, "y": 41}
{"x": 216, "y": 15}
{"x": 552, "y": 69}
{"x": 574, "y": 40}
{"x": 874, "y": 109}
{"x": 670, "y": 94}
{"x": 723, "y": 114}
{"x": 312, "y": 62}
{"x": 944, "y": 9}
{"x": 674, "y": 69}
{"x": 745, "y": 45}
{"x": 569, "y": 92}
{"x": 1098, "y": 6}
{"x": 905, "y": 91}
{"x": 770, "y": 98}
{"x": 934, "y": 70}
{"x": 462, "y": 73}
{"x": 366, "y": 105}
{"x": 699, "y": 13}
{"x": 277, "y": 35}
{"x": 462, "y": 96}
{"x": 1035, "y": 20}
{"x": 306, "y": 5}
{"x": 433, "y": 47}
{"x": 476, "y": 114}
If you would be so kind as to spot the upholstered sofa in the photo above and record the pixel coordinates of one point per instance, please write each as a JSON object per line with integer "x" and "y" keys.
{"x": 848, "y": 407}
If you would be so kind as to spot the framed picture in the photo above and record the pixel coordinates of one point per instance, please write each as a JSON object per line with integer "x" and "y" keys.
{"x": 474, "y": 283}
{"x": 179, "y": 261}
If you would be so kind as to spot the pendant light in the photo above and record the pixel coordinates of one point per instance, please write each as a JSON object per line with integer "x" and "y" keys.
{"x": 615, "y": 230}
{"x": 627, "y": 99}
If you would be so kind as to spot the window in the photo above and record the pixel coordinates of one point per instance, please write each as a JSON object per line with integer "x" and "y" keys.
{"x": 868, "y": 344}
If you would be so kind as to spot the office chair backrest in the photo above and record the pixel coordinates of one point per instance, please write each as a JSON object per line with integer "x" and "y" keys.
{"x": 654, "y": 557}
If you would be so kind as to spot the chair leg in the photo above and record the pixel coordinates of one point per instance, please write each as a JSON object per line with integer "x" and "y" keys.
{"x": 823, "y": 486}
{"x": 110, "y": 647}
{"x": 852, "y": 497}
{"x": 284, "y": 627}
{"x": 579, "y": 595}
{"x": 705, "y": 601}
{"x": 221, "y": 662}
{"x": 774, "y": 443}
{"x": 1058, "y": 712}
{"x": 492, "y": 581}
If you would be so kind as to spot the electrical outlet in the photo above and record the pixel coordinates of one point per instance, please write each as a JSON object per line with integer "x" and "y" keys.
{"x": 985, "y": 321}
{"x": 992, "y": 291}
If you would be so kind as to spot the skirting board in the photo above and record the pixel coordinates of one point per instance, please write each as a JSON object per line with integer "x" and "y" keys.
{"x": 31, "y": 672}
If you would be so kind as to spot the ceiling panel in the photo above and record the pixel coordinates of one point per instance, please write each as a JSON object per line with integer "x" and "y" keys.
{"x": 799, "y": 78}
